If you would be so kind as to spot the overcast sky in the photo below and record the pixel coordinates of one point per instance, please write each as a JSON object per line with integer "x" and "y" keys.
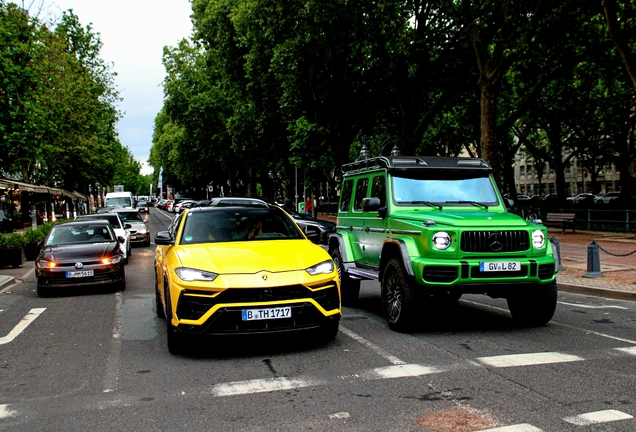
{"x": 133, "y": 33}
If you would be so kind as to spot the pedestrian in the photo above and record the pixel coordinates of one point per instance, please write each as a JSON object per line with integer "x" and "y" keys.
{"x": 288, "y": 204}
{"x": 308, "y": 206}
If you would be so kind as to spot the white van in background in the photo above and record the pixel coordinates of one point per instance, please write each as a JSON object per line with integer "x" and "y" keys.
{"x": 120, "y": 200}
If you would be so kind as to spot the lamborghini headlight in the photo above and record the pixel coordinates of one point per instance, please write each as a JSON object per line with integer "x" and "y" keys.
{"x": 190, "y": 275}
{"x": 325, "y": 267}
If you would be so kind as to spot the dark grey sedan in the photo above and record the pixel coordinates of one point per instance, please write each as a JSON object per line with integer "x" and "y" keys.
{"x": 82, "y": 254}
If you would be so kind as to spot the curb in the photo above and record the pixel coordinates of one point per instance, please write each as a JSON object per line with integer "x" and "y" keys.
{"x": 6, "y": 281}
{"x": 597, "y": 292}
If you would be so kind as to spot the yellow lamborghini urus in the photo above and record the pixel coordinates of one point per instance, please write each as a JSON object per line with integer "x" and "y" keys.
{"x": 242, "y": 270}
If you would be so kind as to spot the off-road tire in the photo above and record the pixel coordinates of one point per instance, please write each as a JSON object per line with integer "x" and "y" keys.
{"x": 399, "y": 300}
{"x": 349, "y": 288}
{"x": 534, "y": 307}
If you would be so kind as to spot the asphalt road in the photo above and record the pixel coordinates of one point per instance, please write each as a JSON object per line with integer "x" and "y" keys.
{"x": 98, "y": 361}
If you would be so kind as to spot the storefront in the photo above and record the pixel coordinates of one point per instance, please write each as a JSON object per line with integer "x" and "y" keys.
{"x": 41, "y": 203}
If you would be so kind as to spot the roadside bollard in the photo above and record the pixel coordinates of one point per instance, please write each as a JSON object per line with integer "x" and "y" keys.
{"x": 593, "y": 261}
{"x": 557, "y": 253}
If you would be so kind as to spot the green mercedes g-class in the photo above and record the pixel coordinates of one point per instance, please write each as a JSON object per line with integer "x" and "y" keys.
{"x": 430, "y": 228}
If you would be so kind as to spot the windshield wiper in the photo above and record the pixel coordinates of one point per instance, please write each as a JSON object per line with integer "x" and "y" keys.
{"x": 428, "y": 203}
{"x": 474, "y": 203}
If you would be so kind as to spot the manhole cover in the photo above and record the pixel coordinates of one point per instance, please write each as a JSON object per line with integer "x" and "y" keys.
{"x": 454, "y": 420}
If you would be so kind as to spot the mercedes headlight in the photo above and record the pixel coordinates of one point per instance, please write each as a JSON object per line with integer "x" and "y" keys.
{"x": 538, "y": 239}
{"x": 190, "y": 275}
{"x": 325, "y": 267}
{"x": 441, "y": 240}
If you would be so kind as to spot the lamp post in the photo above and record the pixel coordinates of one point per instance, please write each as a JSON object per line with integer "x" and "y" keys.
{"x": 274, "y": 176}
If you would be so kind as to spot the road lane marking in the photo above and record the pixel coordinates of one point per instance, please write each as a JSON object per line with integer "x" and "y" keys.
{"x": 373, "y": 347}
{"x": 166, "y": 215}
{"x": 593, "y": 306}
{"x": 112, "y": 365}
{"x": 400, "y": 371}
{"x": 630, "y": 341}
{"x": 23, "y": 324}
{"x": 630, "y": 350}
{"x": 597, "y": 417}
{"x": 261, "y": 386}
{"x": 5, "y": 412}
{"x": 27, "y": 274}
{"x": 514, "y": 360}
{"x": 523, "y": 427}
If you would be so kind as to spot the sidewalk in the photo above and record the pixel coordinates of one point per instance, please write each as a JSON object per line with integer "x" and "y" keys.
{"x": 619, "y": 273}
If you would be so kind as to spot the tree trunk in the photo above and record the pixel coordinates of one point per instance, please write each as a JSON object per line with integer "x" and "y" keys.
{"x": 489, "y": 139}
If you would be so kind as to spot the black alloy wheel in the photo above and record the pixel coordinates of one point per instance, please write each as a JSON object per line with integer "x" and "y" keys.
{"x": 399, "y": 302}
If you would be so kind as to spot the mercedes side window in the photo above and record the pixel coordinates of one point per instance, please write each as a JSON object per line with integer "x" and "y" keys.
{"x": 378, "y": 189}
{"x": 361, "y": 193}
{"x": 345, "y": 199}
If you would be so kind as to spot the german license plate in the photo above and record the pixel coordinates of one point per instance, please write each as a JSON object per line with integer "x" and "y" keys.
{"x": 269, "y": 313}
{"x": 500, "y": 266}
{"x": 79, "y": 274}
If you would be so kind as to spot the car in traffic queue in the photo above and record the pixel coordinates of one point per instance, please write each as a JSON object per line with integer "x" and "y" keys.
{"x": 120, "y": 228}
{"x": 318, "y": 230}
{"x": 82, "y": 254}
{"x": 143, "y": 207}
{"x": 139, "y": 231}
{"x": 242, "y": 270}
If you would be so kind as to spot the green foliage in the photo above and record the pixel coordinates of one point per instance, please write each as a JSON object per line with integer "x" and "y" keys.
{"x": 286, "y": 85}
{"x": 14, "y": 240}
{"x": 33, "y": 235}
{"x": 58, "y": 104}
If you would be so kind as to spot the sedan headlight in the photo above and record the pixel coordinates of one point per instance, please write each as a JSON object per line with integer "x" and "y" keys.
{"x": 441, "y": 240}
{"x": 45, "y": 263}
{"x": 538, "y": 239}
{"x": 325, "y": 267}
{"x": 190, "y": 275}
{"x": 142, "y": 231}
{"x": 112, "y": 260}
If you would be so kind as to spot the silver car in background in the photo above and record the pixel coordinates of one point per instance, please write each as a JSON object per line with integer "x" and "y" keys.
{"x": 139, "y": 231}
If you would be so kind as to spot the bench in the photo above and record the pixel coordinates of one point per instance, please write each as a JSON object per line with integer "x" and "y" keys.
{"x": 562, "y": 219}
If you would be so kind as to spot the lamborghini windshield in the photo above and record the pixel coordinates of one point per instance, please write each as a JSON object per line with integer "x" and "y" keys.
{"x": 231, "y": 224}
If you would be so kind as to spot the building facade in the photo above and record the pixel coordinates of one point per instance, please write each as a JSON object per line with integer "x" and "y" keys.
{"x": 577, "y": 179}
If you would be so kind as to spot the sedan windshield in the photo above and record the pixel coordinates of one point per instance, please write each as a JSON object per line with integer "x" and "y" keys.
{"x": 132, "y": 216}
{"x": 238, "y": 224}
{"x": 456, "y": 191}
{"x": 89, "y": 233}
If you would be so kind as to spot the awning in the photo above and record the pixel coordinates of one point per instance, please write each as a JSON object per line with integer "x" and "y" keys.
{"x": 14, "y": 184}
